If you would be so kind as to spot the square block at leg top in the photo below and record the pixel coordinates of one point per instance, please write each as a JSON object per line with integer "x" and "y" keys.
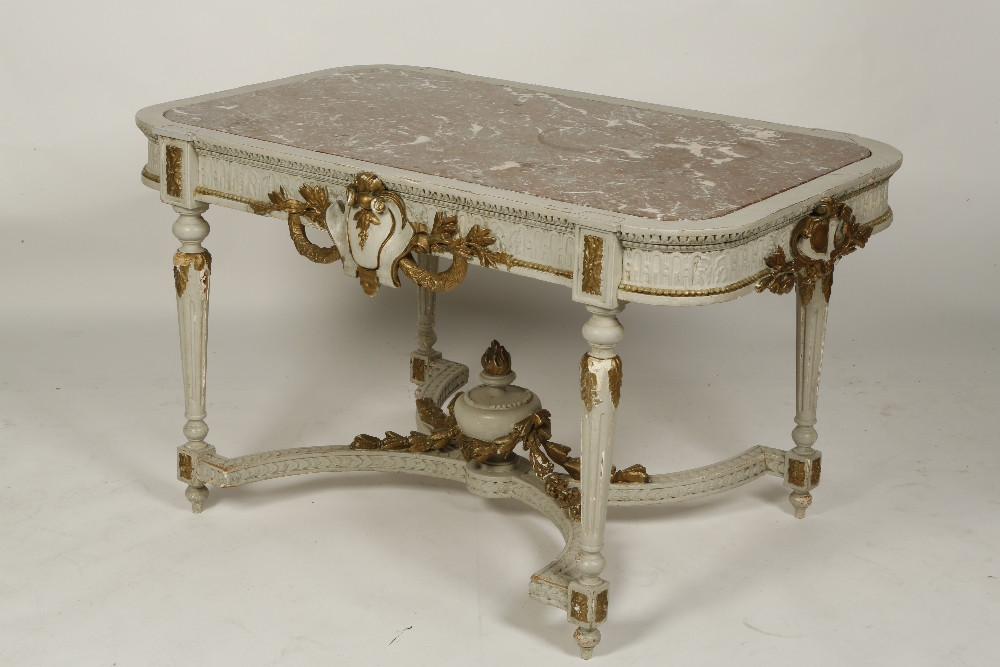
{"x": 802, "y": 471}
{"x": 420, "y": 366}
{"x": 588, "y": 605}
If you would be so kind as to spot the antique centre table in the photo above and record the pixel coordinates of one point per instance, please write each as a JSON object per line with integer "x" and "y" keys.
{"x": 621, "y": 202}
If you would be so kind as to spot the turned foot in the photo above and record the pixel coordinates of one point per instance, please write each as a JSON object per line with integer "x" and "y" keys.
{"x": 800, "y": 500}
{"x": 196, "y": 495}
{"x": 587, "y": 638}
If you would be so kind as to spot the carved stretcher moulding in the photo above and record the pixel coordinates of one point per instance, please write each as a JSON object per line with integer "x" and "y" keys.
{"x": 401, "y": 167}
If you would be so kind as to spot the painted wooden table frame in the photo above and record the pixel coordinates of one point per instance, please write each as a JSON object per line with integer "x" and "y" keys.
{"x": 622, "y": 202}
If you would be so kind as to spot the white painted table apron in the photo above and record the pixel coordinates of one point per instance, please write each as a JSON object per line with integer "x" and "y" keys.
{"x": 622, "y": 202}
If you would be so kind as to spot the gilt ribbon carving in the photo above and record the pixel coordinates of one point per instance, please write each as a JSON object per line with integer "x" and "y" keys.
{"x": 314, "y": 205}
{"x": 817, "y": 233}
{"x": 444, "y": 237}
{"x": 376, "y": 240}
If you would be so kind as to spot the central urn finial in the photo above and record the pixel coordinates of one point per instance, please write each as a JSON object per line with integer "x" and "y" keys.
{"x": 490, "y": 410}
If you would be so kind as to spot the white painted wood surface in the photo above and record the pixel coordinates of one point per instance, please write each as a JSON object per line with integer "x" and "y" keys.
{"x": 810, "y": 332}
{"x": 602, "y": 332}
{"x": 192, "y": 318}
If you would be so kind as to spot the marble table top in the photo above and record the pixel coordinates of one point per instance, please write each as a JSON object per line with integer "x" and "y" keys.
{"x": 640, "y": 160}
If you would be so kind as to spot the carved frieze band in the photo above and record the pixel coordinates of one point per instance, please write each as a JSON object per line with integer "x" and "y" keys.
{"x": 152, "y": 159}
{"x": 714, "y": 267}
{"x": 654, "y": 265}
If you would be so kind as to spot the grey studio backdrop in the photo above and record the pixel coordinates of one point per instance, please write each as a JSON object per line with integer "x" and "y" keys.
{"x": 101, "y": 561}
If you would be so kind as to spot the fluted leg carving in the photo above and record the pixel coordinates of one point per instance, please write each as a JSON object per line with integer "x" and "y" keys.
{"x": 426, "y": 300}
{"x": 600, "y": 387}
{"x": 802, "y": 463}
{"x": 192, "y": 271}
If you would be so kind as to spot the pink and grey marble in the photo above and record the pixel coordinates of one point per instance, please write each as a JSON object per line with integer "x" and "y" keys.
{"x": 610, "y": 156}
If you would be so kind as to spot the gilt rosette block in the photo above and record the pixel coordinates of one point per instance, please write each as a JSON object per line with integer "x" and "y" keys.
{"x": 588, "y": 605}
{"x": 802, "y": 471}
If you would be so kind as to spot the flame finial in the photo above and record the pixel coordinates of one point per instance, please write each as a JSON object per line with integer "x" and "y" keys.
{"x": 496, "y": 360}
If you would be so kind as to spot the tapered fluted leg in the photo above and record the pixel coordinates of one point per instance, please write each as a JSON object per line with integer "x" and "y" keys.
{"x": 802, "y": 464}
{"x": 192, "y": 269}
{"x": 600, "y": 386}
{"x": 425, "y": 353}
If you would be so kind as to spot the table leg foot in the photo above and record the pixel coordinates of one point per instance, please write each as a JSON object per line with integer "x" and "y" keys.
{"x": 800, "y": 501}
{"x": 196, "y": 495}
{"x": 587, "y": 639}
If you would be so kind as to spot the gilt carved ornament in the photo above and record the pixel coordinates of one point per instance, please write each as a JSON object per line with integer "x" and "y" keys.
{"x": 314, "y": 206}
{"x": 183, "y": 261}
{"x": 534, "y": 433}
{"x": 173, "y": 159}
{"x": 818, "y": 241}
{"x": 374, "y": 238}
